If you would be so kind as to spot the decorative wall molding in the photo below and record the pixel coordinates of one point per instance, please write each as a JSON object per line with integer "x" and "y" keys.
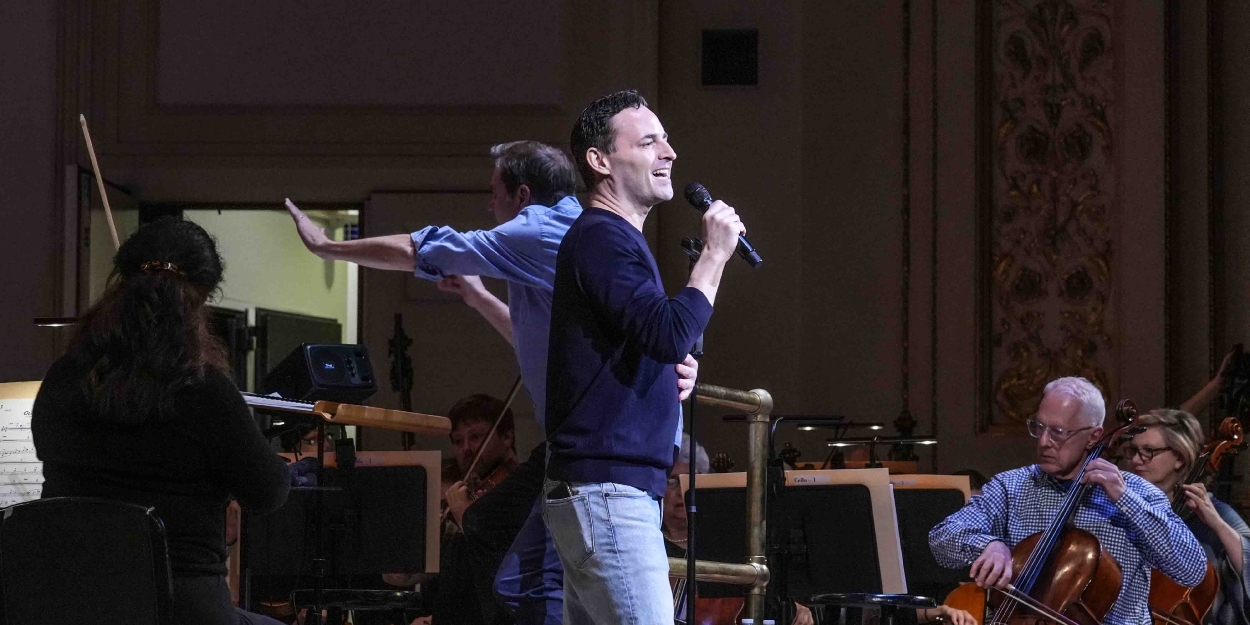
{"x": 1048, "y": 215}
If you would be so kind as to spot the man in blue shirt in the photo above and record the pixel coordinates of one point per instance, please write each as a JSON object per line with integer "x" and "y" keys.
{"x": 532, "y": 199}
{"x": 612, "y": 398}
{"x": 1131, "y": 518}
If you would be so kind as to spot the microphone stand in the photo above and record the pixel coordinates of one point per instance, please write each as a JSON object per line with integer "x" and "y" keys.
{"x": 693, "y": 248}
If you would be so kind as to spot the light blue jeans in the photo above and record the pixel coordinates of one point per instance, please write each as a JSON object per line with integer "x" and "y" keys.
{"x": 615, "y": 567}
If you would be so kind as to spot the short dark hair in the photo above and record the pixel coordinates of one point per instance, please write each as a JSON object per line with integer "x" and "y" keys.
{"x": 594, "y": 130}
{"x": 544, "y": 169}
{"x": 481, "y": 408}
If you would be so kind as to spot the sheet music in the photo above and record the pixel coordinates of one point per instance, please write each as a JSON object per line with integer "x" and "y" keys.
{"x": 21, "y": 473}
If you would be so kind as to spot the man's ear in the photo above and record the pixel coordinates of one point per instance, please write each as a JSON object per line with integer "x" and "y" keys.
{"x": 1095, "y": 435}
{"x": 523, "y": 194}
{"x": 598, "y": 161}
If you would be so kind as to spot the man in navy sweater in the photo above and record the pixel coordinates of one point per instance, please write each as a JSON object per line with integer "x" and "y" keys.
{"x": 612, "y": 396}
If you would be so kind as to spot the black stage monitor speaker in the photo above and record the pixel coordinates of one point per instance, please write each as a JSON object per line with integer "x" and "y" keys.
{"x": 329, "y": 371}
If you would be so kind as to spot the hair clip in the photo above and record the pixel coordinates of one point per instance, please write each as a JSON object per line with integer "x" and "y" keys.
{"x": 154, "y": 266}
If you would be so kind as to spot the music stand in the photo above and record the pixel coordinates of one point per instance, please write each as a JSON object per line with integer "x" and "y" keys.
{"x": 922, "y": 502}
{"x": 840, "y": 533}
{"x": 365, "y": 519}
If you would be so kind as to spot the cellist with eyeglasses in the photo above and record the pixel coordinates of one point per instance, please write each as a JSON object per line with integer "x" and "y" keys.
{"x": 1131, "y": 519}
{"x": 1168, "y": 454}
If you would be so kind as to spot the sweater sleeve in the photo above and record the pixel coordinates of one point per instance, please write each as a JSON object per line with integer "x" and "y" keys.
{"x": 239, "y": 457}
{"x": 615, "y": 273}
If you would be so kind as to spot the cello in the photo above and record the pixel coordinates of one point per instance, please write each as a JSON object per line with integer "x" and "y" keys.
{"x": 1060, "y": 575}
{"x": 1169, "y": 601}
{"x": 707, "y": 610}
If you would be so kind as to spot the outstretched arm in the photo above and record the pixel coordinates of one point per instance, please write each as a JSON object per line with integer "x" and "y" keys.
{"x": 1197, "y": 404}
{"x": 393, "y": 252}
{"x": 470, "y": 288}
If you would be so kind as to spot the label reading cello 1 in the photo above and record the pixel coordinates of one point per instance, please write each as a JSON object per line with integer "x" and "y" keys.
{"x": 809, "y": 479}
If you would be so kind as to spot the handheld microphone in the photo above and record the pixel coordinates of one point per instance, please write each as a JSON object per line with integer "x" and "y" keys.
{"x": 699, "y": 198}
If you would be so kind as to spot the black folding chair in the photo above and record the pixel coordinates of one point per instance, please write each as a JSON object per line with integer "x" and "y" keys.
{"x": 83, "y": 560}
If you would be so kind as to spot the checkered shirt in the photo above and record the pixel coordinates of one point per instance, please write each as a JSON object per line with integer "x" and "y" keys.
{"x": 1141, "y": 531}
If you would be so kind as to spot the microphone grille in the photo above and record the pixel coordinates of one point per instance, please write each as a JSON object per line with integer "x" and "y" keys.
{"x": 698, "y": 196}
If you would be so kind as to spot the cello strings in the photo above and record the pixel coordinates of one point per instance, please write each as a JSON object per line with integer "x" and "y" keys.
{"x": 1033, "y": 565}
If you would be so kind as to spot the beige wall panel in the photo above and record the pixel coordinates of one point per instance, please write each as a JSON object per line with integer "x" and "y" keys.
{"x": 127, "y": 101}
{"x": 960, "y": 445}
{"x": 1139, "y": 261}
{"x": 1189, "y": 318}
{"x": 379, "y": 53}
{"x": 745, "y": 145}
{"x": 852, "y": 209}
{"x": 1235, "y": 104}
{"x": 30, "y": 188}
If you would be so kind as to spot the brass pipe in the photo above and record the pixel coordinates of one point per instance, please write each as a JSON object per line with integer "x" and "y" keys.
{"x": 757, "y": 476}
{"x": 758, "y": 404}
{"x": 720, "y": 572}
{"x": 747, "y": 401}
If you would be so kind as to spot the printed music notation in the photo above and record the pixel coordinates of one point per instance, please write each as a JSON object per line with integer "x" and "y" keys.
{"x": 10, "y": 497}
{"x": 21, "y": 473}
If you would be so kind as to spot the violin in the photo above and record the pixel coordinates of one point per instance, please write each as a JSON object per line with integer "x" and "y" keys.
{"x": 479, "y": 482}
{"x": 497, "y": 473}
{"x": 1169, "y": 601}
{"x": 1061, "y": 575}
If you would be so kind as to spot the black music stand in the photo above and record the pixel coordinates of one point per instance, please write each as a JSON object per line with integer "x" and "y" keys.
{"x": 820, "y": 541}
{"x": 919, "y": 510}
{"x": 359, "y": 521}
{"x": 804, "y": 555}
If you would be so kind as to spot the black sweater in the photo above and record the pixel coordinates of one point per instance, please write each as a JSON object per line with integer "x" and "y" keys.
{"x": 612, "y": 406}
{"x": 187, "y": 468}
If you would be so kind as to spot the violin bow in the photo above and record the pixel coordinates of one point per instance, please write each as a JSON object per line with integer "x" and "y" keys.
{"x": 1170, "y": 619}
{"x": 507, "y": 403}
{"x": 95, "y": 166}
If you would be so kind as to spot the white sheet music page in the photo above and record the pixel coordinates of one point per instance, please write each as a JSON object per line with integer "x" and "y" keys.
{"x": 21, "y": 473}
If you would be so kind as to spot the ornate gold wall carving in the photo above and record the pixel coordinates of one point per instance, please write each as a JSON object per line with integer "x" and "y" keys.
{"x": 1053, "y": 185}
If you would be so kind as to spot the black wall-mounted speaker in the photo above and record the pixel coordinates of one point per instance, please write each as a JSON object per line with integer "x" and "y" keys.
{"x": 324, "y": 371}
{"x": 730, "y": 57}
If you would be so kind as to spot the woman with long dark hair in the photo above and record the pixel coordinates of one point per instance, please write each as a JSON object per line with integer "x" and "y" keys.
{"x": 141, "y": 409}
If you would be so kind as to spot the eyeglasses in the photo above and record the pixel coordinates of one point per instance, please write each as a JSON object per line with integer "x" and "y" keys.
{"x": 1059, "y": 435}
{"x": 1145, "y": 453}
{"x": 674, "y": 482}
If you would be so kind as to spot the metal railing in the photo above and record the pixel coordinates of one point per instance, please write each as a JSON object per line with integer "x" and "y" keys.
{"x": 753, "y": 574}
